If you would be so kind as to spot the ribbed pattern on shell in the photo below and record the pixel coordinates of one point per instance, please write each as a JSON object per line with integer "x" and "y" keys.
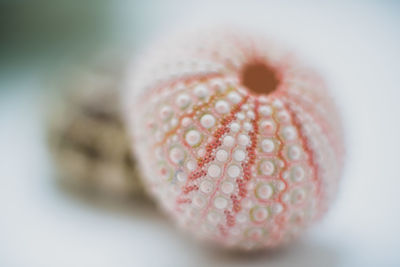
{"x": 242, "y": 169}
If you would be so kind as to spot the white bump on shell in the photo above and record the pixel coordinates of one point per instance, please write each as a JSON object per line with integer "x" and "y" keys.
{"x": 233, "y": 171}
{"x": 221, "y": 155}
{"x": 222, "y": 107}
{"x": 289, "y": 133}
{"x": 191, "y": 165}
{"x": 247, "y": 126}
{"x": 294, "y": 152}
{"x": 207, "y": 121}
{"x": 259, "y": 214}
{"x": 214, "y": 171}
{"x": 183, "y": 100}
{"x": 193, "y": 137}
{"x": 235, "y": 127}
{"x": 181, "y": 176}
{"x": 186, "y": 122}
{"x": 229, "y": 141}
{"x": 297, "y": 173}
{"x": 264, "y": 191}
{"x": 176, "y": 155}
{"x": 206, "y": 186}
{"x": 243, "y": 140}
{"x": 220, "y": 202}
{"x": 265, "y": 110}
{"x": 234, "y": 97}
{"x": 227, "y": 187}
{"x": 201, "y": 91}
{"x": 267, "y": 145}
{"x": 267, "y": 167}
{"x": 239, "y": 155}
{"x": 165, "y": 113}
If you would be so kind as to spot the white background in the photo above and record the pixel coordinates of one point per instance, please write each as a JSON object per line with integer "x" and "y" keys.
{"x": 355, "y": 45}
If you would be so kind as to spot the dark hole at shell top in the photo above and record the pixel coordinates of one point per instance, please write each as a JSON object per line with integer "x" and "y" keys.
{"x": 259, "y": 78}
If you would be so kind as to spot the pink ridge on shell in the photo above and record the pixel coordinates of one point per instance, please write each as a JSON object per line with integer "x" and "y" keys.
{"x": 232, "y": 164}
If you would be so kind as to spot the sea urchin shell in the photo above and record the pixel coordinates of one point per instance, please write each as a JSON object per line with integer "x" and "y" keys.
{"x": 238, "y": 141}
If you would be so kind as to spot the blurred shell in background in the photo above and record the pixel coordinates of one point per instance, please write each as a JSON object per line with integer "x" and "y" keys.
{"x": 86, "y": 134}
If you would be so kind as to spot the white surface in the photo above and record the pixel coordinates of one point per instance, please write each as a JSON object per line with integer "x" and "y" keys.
{"x": 355, "y": 45}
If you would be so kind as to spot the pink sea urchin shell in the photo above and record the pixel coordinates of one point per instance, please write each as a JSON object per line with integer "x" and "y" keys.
{"x": 239, "y": 142}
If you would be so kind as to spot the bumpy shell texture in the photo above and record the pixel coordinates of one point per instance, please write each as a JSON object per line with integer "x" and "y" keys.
{"x": 238, "y": 141}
